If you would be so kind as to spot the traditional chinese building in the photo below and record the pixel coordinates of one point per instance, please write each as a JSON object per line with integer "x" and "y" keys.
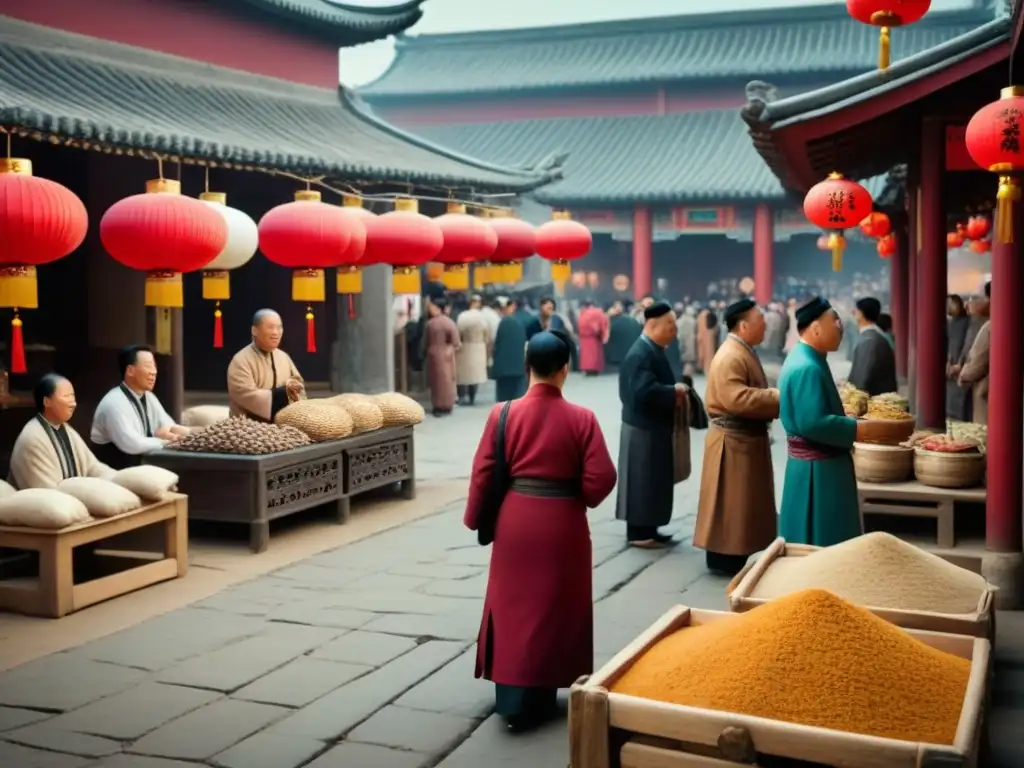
{"x": 239, "y": 95}
{"x": 646, "y": 111}
{"x": 916, "y": 113}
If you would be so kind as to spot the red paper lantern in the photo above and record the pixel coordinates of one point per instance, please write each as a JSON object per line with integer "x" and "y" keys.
{"x": 887, "y": 14}
{"x": 977, "y": 228}
{"x": 876, "y": 224}
{"x": 837, "y": 204}
{"x": 981, "y": 246}
{"x": 517, "y": 241}
{"x": 886, "y": 246}
{"x": 562, "y": 240}
{"x": 40, "y": 221}
{"x": 467, "y": 239}
{"x": 994, "y": 141}
{"x": 163, "y": 234}
{"x": 954, "y": 240}
{"x": 350, "y": 271}
{"x": 405, "y": 239}
{"x": 308, "y": 236}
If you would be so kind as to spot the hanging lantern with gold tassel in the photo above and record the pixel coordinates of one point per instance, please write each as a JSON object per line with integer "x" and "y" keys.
{"x": 994, "y": 141}
{"x": 243, "y": 240}
{"x": 517, "y": 241}
{"x": 467, "y": 240}
{"x": 349, "y": 280}
{"x": 837, "y": 204}
{"x": 886, "y": 14}
{"x": 307, "y": 236}
{"x": 40, "y": 221}
{"x": 405, "y": 239}
{"x": 562, "y": 240}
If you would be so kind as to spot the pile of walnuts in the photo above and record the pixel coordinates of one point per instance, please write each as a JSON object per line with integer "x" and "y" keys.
{"x": 242, "y": 436}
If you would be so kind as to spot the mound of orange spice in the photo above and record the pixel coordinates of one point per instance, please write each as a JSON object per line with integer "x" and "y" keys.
{"x": 809, "y": 658}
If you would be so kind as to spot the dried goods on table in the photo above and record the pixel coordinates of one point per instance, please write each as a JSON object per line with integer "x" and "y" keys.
{"x": 968, "y": 432}
{"x": 366, "y": 414}
{"x": 809, "y": 658}
{"x": 318, "y": 419}
{"x": 244, "y": 437}
{"x": 855, "y": 401}
{"x": 886, "y": 409}
{"x": 881, "y": 571}
{"x": 399, "y": 410}
{"x": 917, "y": 436}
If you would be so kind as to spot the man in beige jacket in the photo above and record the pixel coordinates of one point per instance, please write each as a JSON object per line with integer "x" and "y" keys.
{"x": 974, "y": 373}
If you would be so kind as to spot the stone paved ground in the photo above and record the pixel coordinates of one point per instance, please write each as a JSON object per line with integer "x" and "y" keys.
{"x": 361, "y": 657}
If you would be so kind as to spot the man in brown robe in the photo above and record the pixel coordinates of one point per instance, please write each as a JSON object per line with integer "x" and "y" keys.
{"x": 441, "y": 342}
{"x": 262, "y": 379}
{"x": 736, "y": 512}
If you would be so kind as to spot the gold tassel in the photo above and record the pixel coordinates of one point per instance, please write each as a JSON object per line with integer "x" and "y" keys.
{"x": 884, "y": 48}
{"x": 837, "y": 244}
{"x": 1009, "y": 193}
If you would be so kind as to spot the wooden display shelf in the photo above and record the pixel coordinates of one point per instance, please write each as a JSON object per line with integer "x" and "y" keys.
{"x": 978, "y": 624}
{"x": 609, "y": 730}
{"x": 54, "y": 593}
{"x": 253, "y": 490}
{"x": 912, "y": 499}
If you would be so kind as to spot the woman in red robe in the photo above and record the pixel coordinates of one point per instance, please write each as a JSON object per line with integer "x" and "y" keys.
{"x": 537, "y": 632}
{"x": 594, "y": 330}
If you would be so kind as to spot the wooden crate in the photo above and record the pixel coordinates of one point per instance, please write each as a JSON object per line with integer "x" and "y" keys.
{"x": 54, "y": 593}
{"x": 981, "y": 623}
{"x": 611, "y": 730}
{"x": 912, "y": 499}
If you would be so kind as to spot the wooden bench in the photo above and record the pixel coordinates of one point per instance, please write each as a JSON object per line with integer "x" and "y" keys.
{"x": 54, "y": 593}
{"x": 253, "y": 490}
{"x": 913, "y": 499}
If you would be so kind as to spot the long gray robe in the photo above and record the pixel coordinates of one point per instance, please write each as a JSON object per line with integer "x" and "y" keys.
{"x": 874, "y": 364}
{"x": 957, "y": 399}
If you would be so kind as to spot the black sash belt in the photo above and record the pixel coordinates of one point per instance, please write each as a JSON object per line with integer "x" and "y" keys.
{"x": 740, "y": 424}
{"x": 545, "y": 489}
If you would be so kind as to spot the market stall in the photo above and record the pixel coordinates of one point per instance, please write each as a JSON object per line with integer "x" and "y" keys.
{"x": 319, "y": 452}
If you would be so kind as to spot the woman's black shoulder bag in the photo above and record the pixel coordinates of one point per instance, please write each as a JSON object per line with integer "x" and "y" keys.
{"x": 488, "y": 522}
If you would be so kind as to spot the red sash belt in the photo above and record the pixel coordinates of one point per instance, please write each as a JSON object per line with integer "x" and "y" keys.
{"x": 807, "y": 450}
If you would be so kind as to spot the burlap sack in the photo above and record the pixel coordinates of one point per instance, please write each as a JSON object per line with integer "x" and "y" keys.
{"x": 202, "y": 416}
{"x": 399, "y": 410}
{"x": 317, "y": 419}
{"x": 366, "y": 414}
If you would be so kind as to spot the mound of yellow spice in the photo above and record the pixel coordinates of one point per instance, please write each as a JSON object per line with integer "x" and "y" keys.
{"x": 809, "y": 658}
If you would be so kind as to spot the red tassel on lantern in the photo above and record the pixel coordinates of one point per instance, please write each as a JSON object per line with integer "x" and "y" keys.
{"x": 310, "y": 331}
{"x": 218, "y": 328}
{"x": 17, "y": 346}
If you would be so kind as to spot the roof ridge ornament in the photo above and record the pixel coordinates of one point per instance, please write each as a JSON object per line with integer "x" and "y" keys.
{"x": 761, "y": 90}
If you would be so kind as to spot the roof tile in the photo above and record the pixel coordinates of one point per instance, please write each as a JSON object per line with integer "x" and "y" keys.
{"x": 348, "y": 24}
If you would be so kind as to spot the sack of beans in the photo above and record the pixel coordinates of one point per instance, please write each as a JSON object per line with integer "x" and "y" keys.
{"x": 202, "y": 416}
{"x": 399, "y": 410}
{"x": 242, "y": 436}
{"x": 366, "y": 414}
{"x": 316, "y": 418}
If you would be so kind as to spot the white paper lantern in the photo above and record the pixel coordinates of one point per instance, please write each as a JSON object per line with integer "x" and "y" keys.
{"x": 243, "y": 240}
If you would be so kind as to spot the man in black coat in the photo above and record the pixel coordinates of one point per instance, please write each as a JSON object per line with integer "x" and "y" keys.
{"x": 649, "y": 395}
{"x": 874, "y": 361}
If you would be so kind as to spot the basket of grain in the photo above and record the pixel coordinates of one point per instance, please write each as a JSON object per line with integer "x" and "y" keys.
{"x": 320, "y": 421}
{"x": 943, "y": 461}
{"x": 895, "y": 580}
{"x": 709, "y": 688}
{"x": 399, "y": 410}
{"x": 366, "y": 414}
{"x": 882, "y": 463}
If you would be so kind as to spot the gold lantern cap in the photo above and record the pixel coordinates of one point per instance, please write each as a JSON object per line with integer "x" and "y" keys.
{"x": 16, "y": 165}
{"x": 352, "y": 201}
{"x": 163, "y": 187}
{"x": 407, "y": 204}
{"x": 1011, "y": 91}
{"x": 220, "y": 198}
{"x": 308, "y": 196}
{"x": 454, "y": 207}
{"x": 835, "y": 176}
{"x": 561, "y": 216}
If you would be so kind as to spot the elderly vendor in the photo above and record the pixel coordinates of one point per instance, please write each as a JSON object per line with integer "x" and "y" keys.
{"x": 48, "y": 449}
{"x": 262, "y": 379}
{"x": 130, "y": 421}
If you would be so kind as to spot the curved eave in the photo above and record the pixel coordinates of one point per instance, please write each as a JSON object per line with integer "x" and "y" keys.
{"x": 781, "y": 130}
{"x": 340, "y": 22}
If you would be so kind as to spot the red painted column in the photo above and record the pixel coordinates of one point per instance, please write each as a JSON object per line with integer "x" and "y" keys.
{"x": 764, "y": 243}
{"x": 914, "y": 238}
{"x": 1005, "y": 404}
{"x": 931, "y": 281}
{"x": 898, "y": 292}
{"x": 643, "y": 237}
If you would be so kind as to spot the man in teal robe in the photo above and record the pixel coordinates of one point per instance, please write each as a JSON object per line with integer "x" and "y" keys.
{"x": 819, "y": 494}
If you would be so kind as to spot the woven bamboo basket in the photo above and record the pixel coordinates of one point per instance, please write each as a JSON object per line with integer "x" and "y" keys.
{"x": 949, "y": 470}
{"x": 882, "y": 463}
{"x": 886, "y": 431}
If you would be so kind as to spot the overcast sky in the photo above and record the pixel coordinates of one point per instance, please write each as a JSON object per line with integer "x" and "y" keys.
{"x": 366, "y": 62}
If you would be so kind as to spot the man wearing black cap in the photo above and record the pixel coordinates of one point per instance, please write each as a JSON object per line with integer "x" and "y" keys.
{"x": 874, "y": 361}
{"x": 819, "y": 496}
{"x": 649, "y": 395}
{"x": 736, "y": 511}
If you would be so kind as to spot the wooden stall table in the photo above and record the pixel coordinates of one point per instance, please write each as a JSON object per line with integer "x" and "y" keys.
{"x": 253, "y": 490}
{"x": 912, "y": 499}
{"x": 54, "y": 593}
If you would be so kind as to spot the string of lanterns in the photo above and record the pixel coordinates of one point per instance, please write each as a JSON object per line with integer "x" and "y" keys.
{"x": 973, "y": 234}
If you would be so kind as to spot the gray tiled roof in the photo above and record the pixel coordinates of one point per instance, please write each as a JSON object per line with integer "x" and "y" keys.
{"x": 697, "y": 156}
{"x": 78, "y": 87}
{"x": 346, "y": 23}
{"x": 700, "y": 48}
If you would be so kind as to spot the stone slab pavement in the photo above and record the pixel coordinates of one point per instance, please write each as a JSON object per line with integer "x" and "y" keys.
{"x": 358, "y": 657}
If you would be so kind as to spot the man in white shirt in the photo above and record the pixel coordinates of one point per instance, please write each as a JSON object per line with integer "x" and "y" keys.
{"x": 130, "y": 421}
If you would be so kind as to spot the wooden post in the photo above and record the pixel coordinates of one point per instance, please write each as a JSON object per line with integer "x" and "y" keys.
{"x": 764, "y": 243}
{"x": 899, "y": 294}
{"x": 643, "y": 238}
{"x": 931, "y": 281}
